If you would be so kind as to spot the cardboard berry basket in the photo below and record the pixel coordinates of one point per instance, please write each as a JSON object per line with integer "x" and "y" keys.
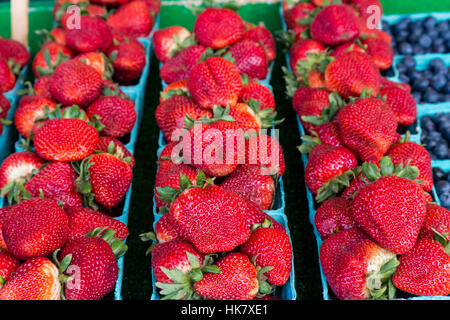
{"x": 285, "y": 292}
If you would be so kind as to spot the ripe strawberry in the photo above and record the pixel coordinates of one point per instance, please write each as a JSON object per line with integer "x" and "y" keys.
{"x": 294, "y": 16}
{"x": 306, "y": 50}
{"x": 74, "y": 82}
{"x": 335, "y": 24}
{"x": 416, "y": 155}
{"x": 256, "y": 216}
{"x": 252, "y": 118}
{"x": 179, "y": 66}
{"x": 257, "y": 92}
{"x": 386, "y": 83}
{"x": 363, "y": 7}
{"x": 153, "y": 5}
{"x": 270, "y": 248}
{"x": 237, "y": 280}
{"x": 98, "y": 61}
{"x": 334, "y": 215}
{"x": 49, "y": 57}
{"x": 42, "y": 88}
{"x": 169, "y": 41}
{"x": 353, "y": 73}
{"x": 250, "y": 58}
{"x": 93, "y": 35}
{"x": 110, "y": 2}
{"x": 69, "y": 201}
{"x": 215, "y": 82}
{"x": 251, "y": 183}
{"x": 117, "y": 115}
{"x": 266, "y": 151}
{"x": 171, "y": 113}
{"x": 346, "y": 47}
{"x": 35, "y": 227}
{"x": 176, "y": 88}
{"x": 7, "y": 77}
{"x": 218, "y": 28}
{"x": 5, "y": 106}
{"x": 84, "y": 220}
{"x": 391, "y": 209}
{"x": 128, "y": 60}
{"x": 8, "y": 264}
{"x": 35, "y": 279}
{"x": 425, "y": 269}
{"x": 165, "y": 230}
{"x": 437, "y": 218}
{"x": 264, "y": 38}
{"x": 381, "y": 52}
{"x": 31, "y": 109}
{"x": 329, "y": 170}
{"x": 65, "y": 140}
{"x": 402, "y": 104}
{"x": 132, "y": 20}
{"x": 367, "y": 127}
{"x": 14, "y": 52}
{"x": 356, "y": 267}
{"x": 326, "y": 133}
{"x": 117, "y": 148}
{"x": 3, "y": 212}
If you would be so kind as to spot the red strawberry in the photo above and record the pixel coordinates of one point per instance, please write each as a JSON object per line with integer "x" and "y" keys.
{"x": 84, "y": 220}
{"x": 7, "y": 77}
{"x": 386, "y": 83}
{"x": 69, "y": 201}
{"x": 251, "y": 183}
{"x": 128, "y": 59}
{"x": 258, "y": 92}
{"x": 8, "y": 264}
{"x": 14, "y": 52}
{"x": 424, "y": 270}
{"x": 215, "y": 82}
{"x": 304, "y": 50}
{"x": 132, "y": 20}
{"x": 264, "y": 38}
{"x": 335, "y": 24}
{"x": 117, "y": 148}
{"x": 118, "y": 115}
{"x": 357, "y": 268}
{"x": 252, "y": 118}
{"x": 346, "y": 47}
{"x": 266, "y": 151}
{"x": 256, "y": 216}
{"x": 168, "y": 41}
{"x": 367, "y": 127}
{"x": 94, "y": 34}
{"x": 364, "y": 7}
{"x": 74, "y": 82}
{"x": 329, "y": 169}
{"x": 3, "y": 212}
{"x": 110, "y": 2}
{"x": 381, "y": 52}
{"x": 270, "y": 248}
{"x": 153, "y": 5}
{"x": 35, "y": 279}
{"x": 5, "y": 106}
{"x": 402, "y": 104}
{"x": 250, "y": 58}
{"x": 328, "y": 133}
{"x": 165, "y": 230}
{"x": 218, "y": 28}
{"x": 65, "y": 140}
{"x": 35, "y": 227}
{"x": 416, "y": 155}
{"x": 176, "y": 88}
{"x": 333, "y": 216}
{"x": 19, "y": 166}
{"x": 179, "y": 66}
{"x": 98, "y": 61}
{"x": 49, "y": 57}
{"x": 31, "y": 109}
{"x": 297, "y": 13}
{"x": 353, "y": 73}
{"x": 171, "y": 113}
{"x": 42, "y": 88}
{"x": 237, "y": 280}
{"x": 437, "y": 218}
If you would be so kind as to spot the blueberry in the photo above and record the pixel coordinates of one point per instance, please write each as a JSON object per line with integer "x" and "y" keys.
{"x": 445, "y": 200}
{"x": 427, "y": 74}
{"x": 385, "y": 25}
{"x": 445, "y": 131}
{"x": 425, "y": 41}
{"x": 429, "y": 22}
{"x": 414, "y": 75}
{"x": 441, "y": 151}
{"x": 437, "y": 65}
{"x": 438, "y": 48}
{"x": 431, "y": 96}
{"x": 409, "y": 62}
{"x": 442, "y": 26}
{"x": 442, "y": 186}
{"x": 418, "y": 24}
{"x": 420, "y": 84}
{"x": 402, "y": 69}
{"x": 438, "y": 41}
{"x": 404, "y": 78}
{"x": 446, "y": 88}
{"x": 427, "y": 123}
{"x": 438, "y": 174}
{"x": 403, "y": 23}
{"x": 442, "y": 118}
{"x": 433, "y": 34}
{"x": 446, "y": 97}
{"x": 406, "y": 48}
{"x": 445, "y": 35}
{"x": 417, "y": 96}
{"x": 438, "y": 82}
{"x": 418, "y": 50}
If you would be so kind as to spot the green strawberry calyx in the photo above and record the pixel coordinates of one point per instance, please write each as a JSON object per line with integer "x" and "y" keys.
{"x": 174, "y": 92}
{"x": 442, "y": 239}
{"x": 327, "y": 113}
{"x": 313, "y": 62}
{"x": 267, "y": 117}
{"x": 219, "y": 114}
{"x": 336, "y": 185}
{"x": 379, "y": 282}
{"x": 62, "y": 266}
{"x": 118, "y": 246}
{"x": 264, "y": 287}
{"x": 309, "y": 141}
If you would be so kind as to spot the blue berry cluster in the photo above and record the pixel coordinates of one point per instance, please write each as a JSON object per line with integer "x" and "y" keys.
{"x": 412, "y": 37}
{"x": 441, "y": 182}
{"x": 431, "y": 85}
{"x": 436, "y": 135}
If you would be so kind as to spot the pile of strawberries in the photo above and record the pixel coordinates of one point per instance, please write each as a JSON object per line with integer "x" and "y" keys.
{"x": 379, "y": 227}
{"x": 214, "y": 240}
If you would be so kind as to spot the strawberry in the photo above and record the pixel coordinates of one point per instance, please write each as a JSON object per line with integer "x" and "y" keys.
{"x": 84, "y": 220}
{"x": 69, "y": 201}
{"x": 334, "y": 215}
{"x": 74, "y": 82}
{"x": 237, "y": 280}
{"x": 117, "y": 148}
{"x": 35, "y": 227}
{"x": 176, "y": 88}
{"x": 110, "y": 2}
{"x": 94, "y": 265}
{"x": 128, "y": 60}
{"x": 14, "y": 52}
{"x": 179, "y": 66}
{"x": 381, "y": 52}
{"x": 218, "y": 28}
{"x": 42, "y": 88}
{"x": 303, "y": 50}
{"x": 391, "y": 208}
{"x": 402, "y": 104}
{"x": 35, "y": 279}
{"x": 271, "y": 248}
{"x": 170, "y": 115}
{"x": 117, "y": 115}
{"x": 215, "y": 82}
{"x": 365, "y": 8}
{"x": 8, "y": 264}
{"x": 257, "y": 92}
{"x": 256, "y": 216}
{"x": 49, "y": 57}
{"x": 7, "y": 77}
{"x": 356, "y": 267}
{"x": 415, "y": 155}
{"x": 132, "y": 20}
{"x": 65, "y": 140}
{"x": 98, "y": 61}
{"x": 250, "y": 58}
{"x": 3, "y": 212}
{"x": 5, "y": 106}
{"x": 346, "y": 47}
{"x": 335, "y": 24}
{"x": 294, "y": 16}
{"x": 326, "y": 133}
{"x": 153, "y": 5}
{"x": 169, "y": 41}
{"x": 31, "y": 109}
{"x": 437, "y": 218}
{"x": 251, "y": 183}
{"x": 425, "y": 269}
{"x": 386, "y": 83}
{"x": 251, "y": 117}
{"x": 266, "y": 151}
{"x": 93, "y": 35}
{"x": 367, "y": 127}
{"x": 264, "y": 38}
{"x": 353, "y": 73}
{"x": 165, "y": 230}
